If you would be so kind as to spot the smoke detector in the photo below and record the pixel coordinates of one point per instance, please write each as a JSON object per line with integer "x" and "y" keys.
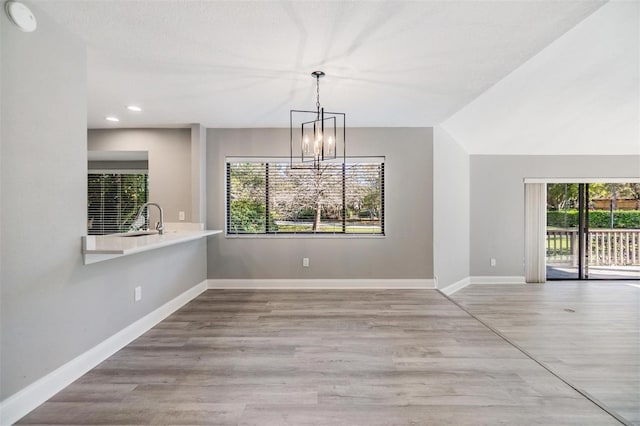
{"x": 21, "y": 16}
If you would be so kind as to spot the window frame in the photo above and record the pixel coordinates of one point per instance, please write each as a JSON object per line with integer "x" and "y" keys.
{"x": 304, "y": 235}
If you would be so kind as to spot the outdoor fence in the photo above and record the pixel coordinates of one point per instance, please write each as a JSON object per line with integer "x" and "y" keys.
{"x": 605, "y": 247}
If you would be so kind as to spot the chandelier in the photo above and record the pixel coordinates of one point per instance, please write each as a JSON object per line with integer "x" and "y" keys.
{"x": 316, "y": 136}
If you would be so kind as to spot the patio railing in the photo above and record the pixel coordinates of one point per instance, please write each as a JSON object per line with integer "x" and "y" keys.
{"x": 610, "y": 247}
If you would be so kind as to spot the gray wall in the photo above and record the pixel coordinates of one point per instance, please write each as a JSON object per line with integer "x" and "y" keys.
{"x": 450, "y": 209}
{"x": 118, "y": 165}
{"x": 198, "y": 173}
{"x": 53, "y": 308}
{"x": 169, "y": 163}
{"x": 497, "y": 201}
{"x": 406, "y": 251}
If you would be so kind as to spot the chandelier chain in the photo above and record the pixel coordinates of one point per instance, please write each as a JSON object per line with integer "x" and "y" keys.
{"x": 318, "y": 93}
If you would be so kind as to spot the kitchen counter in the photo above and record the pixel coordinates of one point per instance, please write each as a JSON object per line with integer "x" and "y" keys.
{"x": 97, "y": 248}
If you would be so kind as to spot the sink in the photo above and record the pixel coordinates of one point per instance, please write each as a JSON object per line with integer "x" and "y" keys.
{"x": 137, "y": 234}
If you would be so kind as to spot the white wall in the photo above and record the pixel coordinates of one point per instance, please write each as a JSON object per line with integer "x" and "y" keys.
{"x": 497, "y": 201}
{"x": 450, "y": 209}
{"x": 407, "y": 250}
{"x": 580, "y": 95}
{"x": 169, "y": 164}
{"x": 53, "y": 308}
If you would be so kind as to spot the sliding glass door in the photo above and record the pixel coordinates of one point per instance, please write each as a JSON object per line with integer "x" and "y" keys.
{"x": 563, "y": 253}
{"x": 593, "y": 231}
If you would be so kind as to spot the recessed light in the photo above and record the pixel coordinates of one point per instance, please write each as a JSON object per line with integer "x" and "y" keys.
{"x": 134, "y": 108}
{"x": 112, "y": 118}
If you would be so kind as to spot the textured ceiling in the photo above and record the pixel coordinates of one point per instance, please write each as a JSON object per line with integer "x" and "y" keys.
{"x": 245, "y": 64}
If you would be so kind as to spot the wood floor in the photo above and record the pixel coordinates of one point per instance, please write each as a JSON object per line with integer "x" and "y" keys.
{"x": 588, "y": 333}
{"x": 340, "y": 357}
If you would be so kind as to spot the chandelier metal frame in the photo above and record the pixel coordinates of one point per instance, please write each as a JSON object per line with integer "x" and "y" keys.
{"x": 322, "y": 134}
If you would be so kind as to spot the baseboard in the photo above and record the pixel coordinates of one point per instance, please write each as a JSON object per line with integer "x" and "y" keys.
{"x": 24, "y": 401}
{"x": 320, "y": 284}
{"x": 467, "y": 281}
{"x": 457, "y": 286}
{"x": 497, "y": 279}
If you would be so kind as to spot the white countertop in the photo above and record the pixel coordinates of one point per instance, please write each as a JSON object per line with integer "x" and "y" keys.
{"x": 97, "y": 248}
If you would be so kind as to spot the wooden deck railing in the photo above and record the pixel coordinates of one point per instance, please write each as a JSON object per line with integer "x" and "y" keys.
{"x": 612, "y": 247}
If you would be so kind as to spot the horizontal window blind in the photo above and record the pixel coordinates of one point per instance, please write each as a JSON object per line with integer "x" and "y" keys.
{"x": 365, "y": 197}
{"x": 114, "y": 200}
{"x": 246, "y": 198}
{"x": 272, "y": 198}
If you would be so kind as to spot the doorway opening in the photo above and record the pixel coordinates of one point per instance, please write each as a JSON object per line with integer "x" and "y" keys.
{"x": 593, "y": 231}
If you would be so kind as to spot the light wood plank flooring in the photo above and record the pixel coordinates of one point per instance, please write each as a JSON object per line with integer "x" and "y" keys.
{"x": 320, "y": 357}
{"x": 588, "y": 333}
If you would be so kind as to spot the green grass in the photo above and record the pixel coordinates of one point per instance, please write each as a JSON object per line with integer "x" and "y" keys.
{"x": 329, "y": 229}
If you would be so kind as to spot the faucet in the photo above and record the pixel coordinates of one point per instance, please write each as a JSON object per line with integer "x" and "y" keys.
{"x": 159, "y": 225}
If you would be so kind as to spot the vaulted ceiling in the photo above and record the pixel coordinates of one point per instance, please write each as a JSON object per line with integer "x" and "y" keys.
{"x": 245, "y": 64}
{"x": 579, "y": 95}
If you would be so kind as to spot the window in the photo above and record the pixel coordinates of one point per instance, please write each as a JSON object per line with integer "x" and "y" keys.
{"x": 269, "y": 197}
{"x": 114, "y": 200}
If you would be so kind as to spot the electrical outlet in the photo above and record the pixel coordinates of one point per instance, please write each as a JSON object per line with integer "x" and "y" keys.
{"x": 493, "y": 262}
{"x": 180, "y": 215}
{"x": 305, "y": 262}
{"x": 137, "y": 294}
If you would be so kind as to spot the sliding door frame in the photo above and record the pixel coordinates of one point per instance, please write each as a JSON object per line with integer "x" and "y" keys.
{"x": 583, "y": 231}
